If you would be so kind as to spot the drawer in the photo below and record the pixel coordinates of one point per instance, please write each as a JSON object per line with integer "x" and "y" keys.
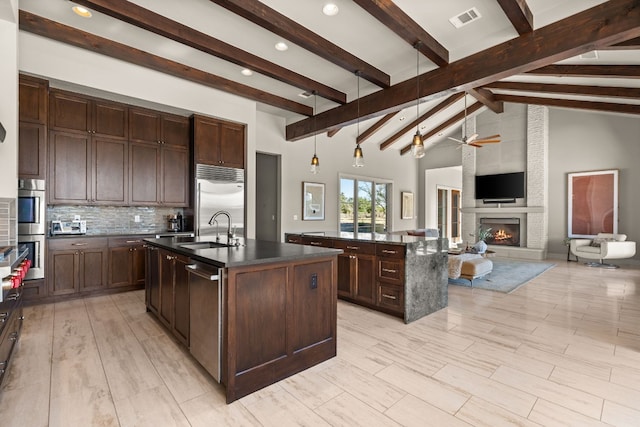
{"x": 391, "y": 270}
{"x": 390, "y": 251}
{"x": 391, "y": 297}
{"x": 77, "y": 243}
{"x": 293, "y": 238}
{"x": 317, "y": 241}
{"x": 354, "y": 246}
{"x": 126, "y": 241}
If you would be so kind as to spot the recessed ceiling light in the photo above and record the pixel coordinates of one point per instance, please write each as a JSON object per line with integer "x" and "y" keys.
{"x": 281, "y": 46}
{"x": 306, "y": 94}
{"x": 330, "y": 9}
{"x": 247, "y": 72}
{"x": 82, "y": 11}
{"x": 402, "y": 118}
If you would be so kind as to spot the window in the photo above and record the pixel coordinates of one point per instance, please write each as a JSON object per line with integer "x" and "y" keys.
{"x": 449, "y": 214}
{"x": 364, "y": 205}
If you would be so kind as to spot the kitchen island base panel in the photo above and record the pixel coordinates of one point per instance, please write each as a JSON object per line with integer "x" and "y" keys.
{"x": 281, "y": 319}
{"x": 426, "y": 281}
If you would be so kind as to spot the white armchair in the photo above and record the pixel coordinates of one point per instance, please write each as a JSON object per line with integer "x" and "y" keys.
{"x": 605, "y": 246}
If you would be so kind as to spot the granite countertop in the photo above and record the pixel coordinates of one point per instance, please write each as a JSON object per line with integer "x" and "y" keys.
{"x": 250, "y": 251}
{"x": 395, "y": 238}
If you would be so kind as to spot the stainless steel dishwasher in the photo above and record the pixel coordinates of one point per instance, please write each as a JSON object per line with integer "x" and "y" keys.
{"x": 205, "y": 315}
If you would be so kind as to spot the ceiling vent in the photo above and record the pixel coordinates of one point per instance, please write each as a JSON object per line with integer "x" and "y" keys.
{"x": 465, "y": 18}
{"x": 305, "y": 94}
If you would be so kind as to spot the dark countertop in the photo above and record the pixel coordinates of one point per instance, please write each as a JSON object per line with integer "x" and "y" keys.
{"x": 395, "y": 238}
{"x": 250, "y": 252}
{"x": 161, "y": 233}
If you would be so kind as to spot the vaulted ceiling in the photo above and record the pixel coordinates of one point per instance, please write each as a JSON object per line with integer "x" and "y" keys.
{"x": 581, "y": 54}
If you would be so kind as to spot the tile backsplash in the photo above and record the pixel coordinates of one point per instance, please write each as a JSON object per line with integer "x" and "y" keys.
{"x": 8, "y": 222}
{"x": 115, "y": 220}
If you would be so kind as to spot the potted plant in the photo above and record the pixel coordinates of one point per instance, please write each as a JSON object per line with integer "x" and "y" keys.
{"x": 482, "y": 235}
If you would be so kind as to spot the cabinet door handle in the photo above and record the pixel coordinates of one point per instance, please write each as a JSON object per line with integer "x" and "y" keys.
{"x": 200, "y": 272}
{"x": 13, "y": 297}
{"x": 388, "y": 270}
{"x": 169, "y": 257}
{"x": 387, "y": 296}
{"x": 315, "y": 243}
{"x": 134, "y": 241}
{"x": 13, "y": 336}
{"x": 3, "y": 317}
{"x": 78, "y": 244}
{"x": 353, "y": 248}
{"x": 386, "y": 251}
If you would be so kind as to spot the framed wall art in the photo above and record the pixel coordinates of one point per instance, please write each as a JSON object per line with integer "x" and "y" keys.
{"x": 406, "y": 205}
{"x": 312, "y": 201}
{"x": 592, "y": 203}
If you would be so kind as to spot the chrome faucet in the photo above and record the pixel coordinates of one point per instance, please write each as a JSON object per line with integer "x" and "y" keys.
{"x": 214, "y": 219}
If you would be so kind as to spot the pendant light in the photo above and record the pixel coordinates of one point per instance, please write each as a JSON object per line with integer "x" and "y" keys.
{"x": 417, "y": 145}
{"x": 315, "y": 162}
{"x": 358, "y": 157}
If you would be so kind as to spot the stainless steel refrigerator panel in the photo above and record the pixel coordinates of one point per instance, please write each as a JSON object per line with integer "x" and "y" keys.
{"x": 214, "y": 196}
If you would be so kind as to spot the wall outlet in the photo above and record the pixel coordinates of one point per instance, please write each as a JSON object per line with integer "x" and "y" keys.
{"x": 314, "y": 281}
{"x": 295, "y": 217}
{"x": 136, "y": 218}
{"x": 76, "y": 217}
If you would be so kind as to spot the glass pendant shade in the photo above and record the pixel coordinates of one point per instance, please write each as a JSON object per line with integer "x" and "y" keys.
{"x": 315, "y": 164}
{"x": 358, "y": 158}
{"x": 417, "y": 146}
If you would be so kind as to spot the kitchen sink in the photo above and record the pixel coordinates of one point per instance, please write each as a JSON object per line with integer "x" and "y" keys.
{"x": 203, "y": 245}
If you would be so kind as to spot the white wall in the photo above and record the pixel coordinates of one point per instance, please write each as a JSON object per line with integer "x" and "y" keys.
{"x": 85, "y": 72}
{"x": 336, "y": 155}
{"x": 582, "y": 141}
{"x": 9, "y": 102}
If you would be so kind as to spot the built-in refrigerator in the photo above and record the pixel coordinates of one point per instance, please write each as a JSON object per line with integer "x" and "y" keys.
{"x": 218, "y": 189}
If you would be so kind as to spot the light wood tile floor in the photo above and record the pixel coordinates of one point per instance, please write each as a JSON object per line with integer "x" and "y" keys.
{"x": 563, "y": 350}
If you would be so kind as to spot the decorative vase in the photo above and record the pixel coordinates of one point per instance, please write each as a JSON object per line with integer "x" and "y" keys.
{"x": 480, "y": 247}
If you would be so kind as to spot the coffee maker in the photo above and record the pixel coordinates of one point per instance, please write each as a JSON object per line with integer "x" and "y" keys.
{"x": 174, "y": 222}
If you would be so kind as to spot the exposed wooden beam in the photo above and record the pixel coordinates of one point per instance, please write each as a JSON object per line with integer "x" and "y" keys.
{"x": 486, "y": 97}
{"x": 608, "y": 23}
{"x": 262, "y": 15}
{"x": 409, "y": 30}
{"x": 441, "y": 106}
{"x": 609, "y": 91}
{"x": 140, "y": 17}
{"x": 569, "y": 103}
{"x": 69, "y": 35}
{"x": 375, "y": 127}
{"x": 519, "y": 14}
{"x": 620, "y": 71}
{"x": 447, "y": 123}
{"x": 332, "y": 132}
{"x": 632, "y": 44}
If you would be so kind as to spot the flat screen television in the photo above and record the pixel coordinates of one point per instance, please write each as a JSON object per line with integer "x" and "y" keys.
{"x": 500, "y": 186}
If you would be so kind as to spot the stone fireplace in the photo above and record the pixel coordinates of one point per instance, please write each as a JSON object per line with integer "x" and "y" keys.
{"x": 504, "y": 231}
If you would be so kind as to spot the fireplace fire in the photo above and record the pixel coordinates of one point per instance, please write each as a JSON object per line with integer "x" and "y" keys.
{"x": 504, "y": 231}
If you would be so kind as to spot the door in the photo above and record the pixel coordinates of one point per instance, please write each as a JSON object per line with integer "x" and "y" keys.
{"x": 267, "y": 197}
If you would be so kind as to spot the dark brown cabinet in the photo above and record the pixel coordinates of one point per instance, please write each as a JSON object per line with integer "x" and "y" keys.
{"x": 77, "y": 265}
{"x": 10, "y": 326}
{"x": 356, "y": 271}
{"x": 152, "y": 279}
{"x": 158, "y": 128}
{"x": 217, "y": 142}
{"x": 390, "y": 277}
{"x": 32, "y": 131}
{"x": 127, "y": 265}
{"x": 72, "y": 112}
{"x": 87, "y": 170}
{"x": 173, "y": 293}
{"x": 159, "y": 159}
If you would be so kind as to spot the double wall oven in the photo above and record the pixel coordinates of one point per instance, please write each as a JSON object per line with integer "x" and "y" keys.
{"x": 31, "y": 223}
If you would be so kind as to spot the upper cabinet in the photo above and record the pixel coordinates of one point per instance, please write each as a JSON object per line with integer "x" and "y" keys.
{"x": 160, "y": 128}
{"x": 77, "y": 113}
{"x": 217, "y": 142}
{"x": 32, "y": 131}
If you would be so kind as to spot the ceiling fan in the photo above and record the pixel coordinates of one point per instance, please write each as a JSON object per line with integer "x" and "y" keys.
{"x": 473, "y": 140}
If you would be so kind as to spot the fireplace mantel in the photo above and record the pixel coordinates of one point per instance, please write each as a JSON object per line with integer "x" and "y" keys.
{"x": 500, "y": 209}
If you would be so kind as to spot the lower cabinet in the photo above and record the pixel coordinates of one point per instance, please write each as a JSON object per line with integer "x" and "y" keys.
{"x": 10, "y": 326}
{"x": 126, "y": 261}
{"x": 370, "y": 274}
{"x": 168, "y": 291}
{"x": 77, "y": 265}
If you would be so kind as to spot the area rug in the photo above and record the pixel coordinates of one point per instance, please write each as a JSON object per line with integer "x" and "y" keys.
{"x": 507, "y": 275}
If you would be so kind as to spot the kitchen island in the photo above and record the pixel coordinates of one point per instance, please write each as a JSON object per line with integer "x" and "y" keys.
{"x": 251, "y": 314}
